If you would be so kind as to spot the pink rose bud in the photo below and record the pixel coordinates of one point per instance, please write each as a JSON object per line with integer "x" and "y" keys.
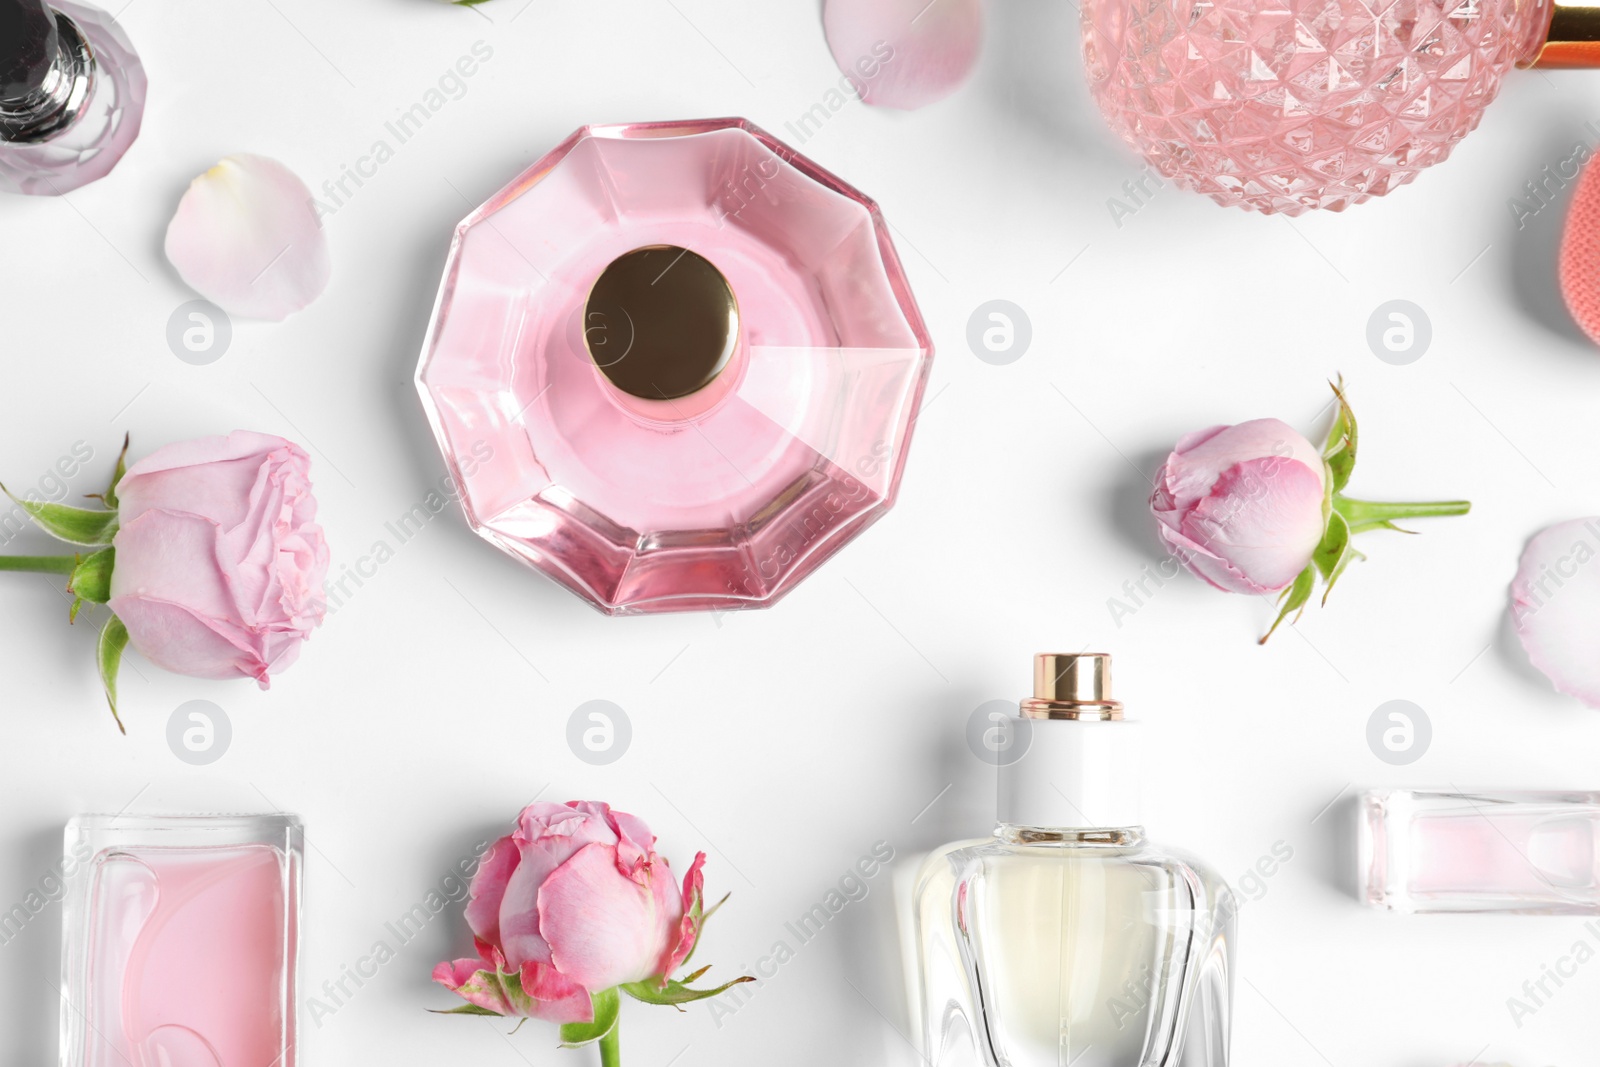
{"x": 207, "y": 553}
{"x": 1241, "y": 506}
{"x": 219, "y": 562}
{"x": 570, "y": 907}
{"x": 1256, "y": 508}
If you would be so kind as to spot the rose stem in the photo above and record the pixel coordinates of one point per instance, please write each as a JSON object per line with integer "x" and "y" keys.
{"x": 610, "y": 1056}
{"x": 44, "y": 564}
{"x": 1367, "y": 513}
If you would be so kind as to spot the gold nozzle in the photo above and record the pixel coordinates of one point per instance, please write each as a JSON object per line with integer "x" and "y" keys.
{"x": 1072, "y": 685}
{"x": 1570, "y": 34}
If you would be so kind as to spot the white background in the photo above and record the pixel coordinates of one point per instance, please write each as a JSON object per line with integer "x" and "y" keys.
{"x": 785, "y": 743}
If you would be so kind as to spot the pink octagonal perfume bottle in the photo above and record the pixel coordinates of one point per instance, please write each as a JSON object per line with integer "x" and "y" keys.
{"x": 674, "y": 366}
{"x": 1290, "y": 105}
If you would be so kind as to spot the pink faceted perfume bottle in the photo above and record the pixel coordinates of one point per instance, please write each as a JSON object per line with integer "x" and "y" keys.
{"x": 1535, "y": 853}
{"x": 71, "y": 95}
{"x": 181, "y": 941}
{"x": 674, "y": 366}
{"x": 1289, "y": 105}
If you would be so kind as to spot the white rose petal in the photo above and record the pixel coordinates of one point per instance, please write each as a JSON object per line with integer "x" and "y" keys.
{"x": 904, "y": 53}
{"x": 1555, "y": 601}
{"x": 246, "y": 238}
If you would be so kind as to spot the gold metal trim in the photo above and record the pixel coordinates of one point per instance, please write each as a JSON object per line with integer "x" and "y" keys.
{"x": 1072, "y": 686}
{"x": 1572, "y": 36}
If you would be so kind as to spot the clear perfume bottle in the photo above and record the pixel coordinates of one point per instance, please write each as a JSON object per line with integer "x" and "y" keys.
{"x": 181, "y": 941}
{"x": 71, "y": 95}
{"x": 1069, "y": 938}
{"x": 1290, "y": 105}
{"x": 674, "y": 366}
{"x": 1436, "y": 851}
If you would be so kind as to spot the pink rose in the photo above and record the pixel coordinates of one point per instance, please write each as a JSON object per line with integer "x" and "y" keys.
{"x": 219, "y": 562}
{"x": 1555, "y": 602}
{"x": 573, "y": 902}
{"x": 1242, "y": 506}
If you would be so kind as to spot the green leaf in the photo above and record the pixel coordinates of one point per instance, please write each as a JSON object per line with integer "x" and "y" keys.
{"x": 113, "y": 639}
{"x": 1340, "y": 450}
{"x": 607, "y": 1005}
{"x": 91, "y": 579}
{"x": 465, "y": 1009}
{"x": 78, "y": 526}
{"x": 1294, "y": 598}
{"x": 678, "y": 992}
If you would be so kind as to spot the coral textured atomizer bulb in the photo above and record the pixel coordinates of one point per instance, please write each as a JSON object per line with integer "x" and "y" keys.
{"x": 1289, "y": 105}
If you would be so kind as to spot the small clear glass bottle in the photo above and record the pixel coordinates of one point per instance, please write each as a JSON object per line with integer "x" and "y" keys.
{"x": 1537, "y": 853}
{"x": 181, "y": 940}
{"x": 1069, "y": 938}
{"x": 71, "y": 95}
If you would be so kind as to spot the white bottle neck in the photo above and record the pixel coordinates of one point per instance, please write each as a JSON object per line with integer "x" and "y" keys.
{"x": 1074, "y": 775}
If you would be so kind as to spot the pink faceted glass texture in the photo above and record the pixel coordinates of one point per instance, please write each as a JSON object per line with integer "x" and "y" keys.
{"x": 728, "y": 497}
{"x": 1289, "y": 105}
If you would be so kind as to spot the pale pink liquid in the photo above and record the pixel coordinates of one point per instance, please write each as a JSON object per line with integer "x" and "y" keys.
{"x": 191, "y": 958}
{"x": 720, "y": 500}
{"x": 1526, "y": 855}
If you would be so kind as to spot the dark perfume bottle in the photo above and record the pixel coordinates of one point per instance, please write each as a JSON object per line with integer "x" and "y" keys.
{"x": 71, "y": 95}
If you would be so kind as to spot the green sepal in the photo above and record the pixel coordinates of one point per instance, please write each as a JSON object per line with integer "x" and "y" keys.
{"x": 607, "y": 1006}
{"x": 465, "y": 1009}
{"x": 700, "y": 916}
{"x": 675, "y": 992}
{"x": 91, "y": 579}
{"x": 109, "y": 497}
{"x": 1294, "y": 598}
{"x": 77, "y": 526}
{"x": 1335, "y": 543}
{"x": 113, "y": 639}
{"x": 1340, "y": 450}
{"x": 1335, "y": 554}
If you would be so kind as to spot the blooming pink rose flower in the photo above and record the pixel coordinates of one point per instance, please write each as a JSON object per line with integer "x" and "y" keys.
{"x": 219, "y": 562}
{"x": 1242, "y": 506}
{"x": 571, "y": 903}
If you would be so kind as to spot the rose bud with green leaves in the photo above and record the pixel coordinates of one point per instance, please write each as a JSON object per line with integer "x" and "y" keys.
{"x": 207, "y": 552}
{"x": 571, "y": 909}
{"x": 1256, "y": 508}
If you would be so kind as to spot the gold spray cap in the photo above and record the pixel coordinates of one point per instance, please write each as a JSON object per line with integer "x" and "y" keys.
{"x": 661, "y": 322}
{"x": 1072, "y": 685}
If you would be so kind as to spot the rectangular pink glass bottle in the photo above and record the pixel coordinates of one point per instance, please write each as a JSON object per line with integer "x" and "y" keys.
{"x": 1529, "y": 852}
{"x": 181, "y": 941}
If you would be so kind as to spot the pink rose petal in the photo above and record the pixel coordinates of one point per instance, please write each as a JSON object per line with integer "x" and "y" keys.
{"x": 904, "y": 53}
{"x": 688, "y": 931}
{"x": 468, "y": 980}
{"x": 488, "y": 889}
{"x": 1555, "y": 603}
{"x": 246, "y": 238}
{"x": 604, "y": 928}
